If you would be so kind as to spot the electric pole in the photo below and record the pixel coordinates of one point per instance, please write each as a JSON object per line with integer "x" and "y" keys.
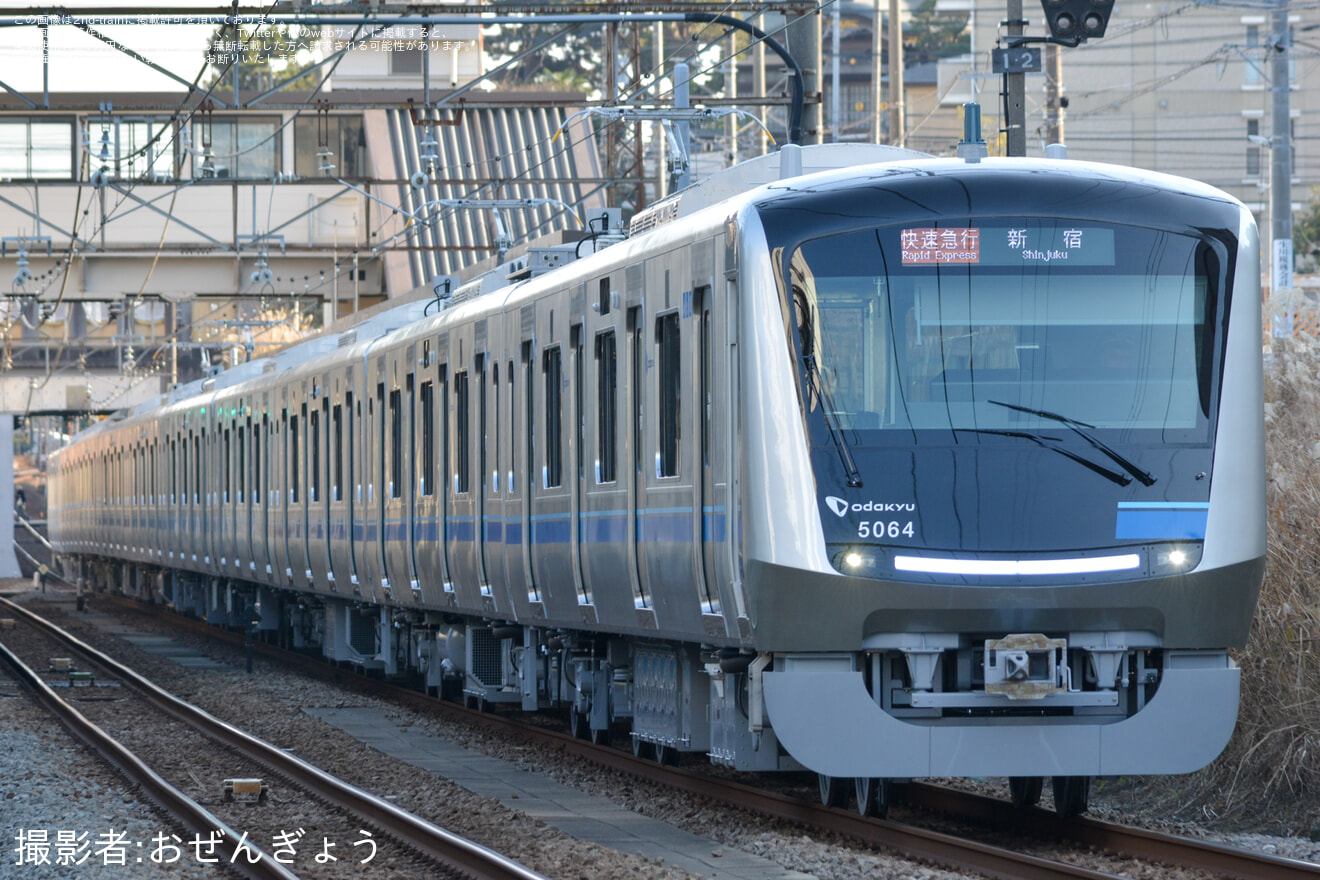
{"x": 897, "y": 122}
{"x": 877, "y": 77}
{"x": 1015, "y": 91}
{"x": 1281, "y": 163}
{"x": 1053, "y": 94}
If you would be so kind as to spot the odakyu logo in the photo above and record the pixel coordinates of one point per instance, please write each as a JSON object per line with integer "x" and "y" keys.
{"x": 841, "y": 507}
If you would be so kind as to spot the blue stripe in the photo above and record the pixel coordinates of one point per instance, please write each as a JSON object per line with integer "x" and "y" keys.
{"x": 1161, "y": 524}
{"x": 665, "y": 527}
{"x": 605, "y": 530}
{"x": 551, "y": 531}
{"x": 654, "y": 525}
{"x": 1163, "y": 505}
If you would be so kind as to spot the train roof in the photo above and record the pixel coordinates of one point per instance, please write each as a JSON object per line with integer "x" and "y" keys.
{"x": 813, "y": 169}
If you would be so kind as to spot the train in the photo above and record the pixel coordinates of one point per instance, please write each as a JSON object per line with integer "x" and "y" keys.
{"x": 849, "y": 460}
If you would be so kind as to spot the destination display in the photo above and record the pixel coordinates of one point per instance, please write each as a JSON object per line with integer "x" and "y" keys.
{"x": 1007, "y": 246}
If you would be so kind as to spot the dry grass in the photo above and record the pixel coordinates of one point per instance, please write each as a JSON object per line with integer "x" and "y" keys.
{"x": 1269, "y": 776}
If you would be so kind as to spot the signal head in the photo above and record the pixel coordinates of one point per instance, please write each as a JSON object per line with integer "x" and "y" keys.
{"x": 1077, "y": 19}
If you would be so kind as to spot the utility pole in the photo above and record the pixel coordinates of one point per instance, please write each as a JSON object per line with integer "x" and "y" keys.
{"x": 1053, "y": 94}
{"x": 897, "y": 123}
{"x": 802, "y": 37}
{"x": 877, "y": 77}
{"x": 1015, "y": 91}
{"x": 834, "y": 74}
{"x": 1281, "y": 164}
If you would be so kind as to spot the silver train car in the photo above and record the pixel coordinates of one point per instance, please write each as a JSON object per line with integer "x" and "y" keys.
{"x": 917, "y": 468}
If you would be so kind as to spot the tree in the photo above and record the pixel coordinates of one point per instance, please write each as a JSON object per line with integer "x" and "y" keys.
{"x": 930, "y": 35}
{"x": 572, "y": 63}
{"x": 1306, "y": 233}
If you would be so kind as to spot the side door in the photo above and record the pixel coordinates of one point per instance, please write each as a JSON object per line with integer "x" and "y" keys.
{"x": 343, "y": 490}
{"x": 515, "y": 462}
{"x": 463, "y": 514}
{"x": 604, "y": 516}
{"x": 551, "y": 545}
{"x": 318, "y": 483}
{"x": 372, "y": 506}
{"x": 669, "y": 520}
{"x": 432, "y": 438}
{"x": 401, "y": 472}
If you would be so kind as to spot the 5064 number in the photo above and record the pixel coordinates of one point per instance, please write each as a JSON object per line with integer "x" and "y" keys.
{"x": 882, "y": 529}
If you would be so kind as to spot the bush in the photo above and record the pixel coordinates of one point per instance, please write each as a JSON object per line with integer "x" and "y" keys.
{"x": 1269, "y": 774}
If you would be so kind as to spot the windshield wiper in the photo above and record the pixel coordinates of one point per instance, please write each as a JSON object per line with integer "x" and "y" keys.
{"x": 827, "y": 405}
{"x": 1143, "y": 476}
{"x": 1052, "y": 444}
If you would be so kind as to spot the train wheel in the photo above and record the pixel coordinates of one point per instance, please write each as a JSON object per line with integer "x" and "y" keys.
{"x": 642, "y": 748}
{"x": 1071, "y": 795}
{"x": 666, "y": 755}
{"x": 872, "y": 796}
{"x": 602, "y": 737}
{"x": 1025, "y": 790}
{"x": 578, "y": 725}
{"x": 833, "y": 790}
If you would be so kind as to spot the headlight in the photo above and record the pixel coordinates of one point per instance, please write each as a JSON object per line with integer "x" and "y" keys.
{"x": 857, "y": 560}
{"x": 1167, "y": 559}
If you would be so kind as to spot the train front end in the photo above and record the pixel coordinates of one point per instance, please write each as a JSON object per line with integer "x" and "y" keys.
{"x": 1032, "y": 479}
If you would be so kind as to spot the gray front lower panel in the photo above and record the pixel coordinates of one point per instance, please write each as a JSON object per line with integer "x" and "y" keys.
{"x": 795, "y": 610}
{"x": 829, "y": 722}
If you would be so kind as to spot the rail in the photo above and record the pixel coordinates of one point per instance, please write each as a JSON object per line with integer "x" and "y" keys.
{"x": 175, "y": 803}
{"x": 1134, "y": 842}
{"x": 27, "y": 524}
{"x": 447, "y": 848}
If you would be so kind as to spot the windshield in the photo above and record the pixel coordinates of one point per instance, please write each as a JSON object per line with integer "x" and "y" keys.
{"x": 1009, "y": 325}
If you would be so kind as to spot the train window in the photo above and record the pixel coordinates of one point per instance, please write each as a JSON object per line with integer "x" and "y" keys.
{"x": 604, "y": 307}
{"x": 443, "y": 407}
{"x": 428, "y": 438}
{"x": 461, "y": 428}
{"x": 669, "y": 395}
{"x": 197, "y": 457}
{"x": 495, "y": 433}
{"x": 704, "y": 394}
{"x": 513, "y": 419}
{"x": 256, "y": 461}
{"x": 553, "y": 471}
{"x": 345, "y": 461}
{"x": 294, "y": 458}
{"x": 314, "y": 453}
{"x": 638, "y": 371}
{"x": 606, "y": 407}
{"x": 226, "y": 484}
{"x": 337, "y": 437}
{"x": 396, "y": 443}
{"x": 240, "y": 469}
{"x": 529, "y": 409}
{"x": 579, "y": 415}
{"x": 483, "y": 425}
{"x": 985, "y": 325}
{"x": 410, "y": 454}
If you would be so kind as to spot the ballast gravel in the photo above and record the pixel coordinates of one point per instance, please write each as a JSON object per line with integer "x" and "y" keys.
{"x": 269, "y": 705}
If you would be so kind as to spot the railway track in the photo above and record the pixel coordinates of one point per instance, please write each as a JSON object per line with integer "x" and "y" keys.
{"x": 904, "y": 839}
{"x": 455, "y": 855}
